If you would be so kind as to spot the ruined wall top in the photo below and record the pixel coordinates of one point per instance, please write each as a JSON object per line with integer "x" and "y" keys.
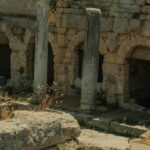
{"x": 28, "y": 8}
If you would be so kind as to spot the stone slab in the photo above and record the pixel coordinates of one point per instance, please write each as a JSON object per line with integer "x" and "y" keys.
{"x": 15, "y": 7}
{"x": 37, "y": 130}
{"x": 93, "y": 140}
{"x": 140, "y": 144}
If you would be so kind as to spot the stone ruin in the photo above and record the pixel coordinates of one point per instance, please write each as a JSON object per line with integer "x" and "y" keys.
{"x": 48, "y": 131}
{"x": 119, "y": 42}
{"x": 123, "y": 52}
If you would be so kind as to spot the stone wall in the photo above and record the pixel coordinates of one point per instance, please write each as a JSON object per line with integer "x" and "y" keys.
{"x": 125, "y": 24}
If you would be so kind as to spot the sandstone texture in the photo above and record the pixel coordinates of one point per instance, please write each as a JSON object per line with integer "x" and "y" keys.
{"x": 138, "y": 144}
{"x": 29, "y": 130}
{"x": 93, "y": 140}
{"x": 125, "y": 35}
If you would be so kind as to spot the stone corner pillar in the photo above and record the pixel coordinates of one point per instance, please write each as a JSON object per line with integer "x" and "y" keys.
{"x": 41, "y": 47}
{"x": 90, "y": 58}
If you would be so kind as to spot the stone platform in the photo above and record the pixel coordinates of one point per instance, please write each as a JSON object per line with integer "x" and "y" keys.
{"x": 93, "y": 140}
{"x": 29, "y": 130}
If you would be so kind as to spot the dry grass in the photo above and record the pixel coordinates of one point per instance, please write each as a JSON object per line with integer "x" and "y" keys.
{"x": 6, "y": 113}
{"x": 50, "y": 97}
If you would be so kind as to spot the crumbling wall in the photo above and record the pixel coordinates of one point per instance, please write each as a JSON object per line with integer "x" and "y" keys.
{"x": 124, "y": 25}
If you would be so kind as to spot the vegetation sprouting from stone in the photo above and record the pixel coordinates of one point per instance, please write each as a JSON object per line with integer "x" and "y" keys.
{"x": 50, "y": 96}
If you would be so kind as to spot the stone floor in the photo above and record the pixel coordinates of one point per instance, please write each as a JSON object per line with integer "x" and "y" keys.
{"x": 131, "y": 117}
{"x": 30, "y": 130}
{"x": 93, "y": 140}
{"x": 71, "y": 102}
{"x": 127, "y": 116}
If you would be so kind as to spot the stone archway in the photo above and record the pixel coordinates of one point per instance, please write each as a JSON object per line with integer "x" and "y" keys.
{"x": 139, "y": 75}
{"x": 127, "y": 47}
{"x": 116, "y": 69}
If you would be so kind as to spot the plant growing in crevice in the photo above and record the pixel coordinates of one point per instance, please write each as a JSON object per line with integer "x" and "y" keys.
{"x": 50, "y": 97}
{"x": 6, "y": 113}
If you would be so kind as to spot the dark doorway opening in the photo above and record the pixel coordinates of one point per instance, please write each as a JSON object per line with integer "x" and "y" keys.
{"x": 5, "y": 61}
{"x": 139, "y": 81}
{"x": 50, "y": 72}
{"x": 30, "y": 61}
{"x": 80, "y": 62}
{"x": 100, "y": 70}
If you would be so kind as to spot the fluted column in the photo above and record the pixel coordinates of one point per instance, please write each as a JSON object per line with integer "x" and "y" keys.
{"x": 90, "y": 58}
{"x": 41, "y": 48}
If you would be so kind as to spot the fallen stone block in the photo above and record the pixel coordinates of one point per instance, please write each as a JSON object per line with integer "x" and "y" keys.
{"x": 93, "y": 140}
{"x": 29, "y": 130}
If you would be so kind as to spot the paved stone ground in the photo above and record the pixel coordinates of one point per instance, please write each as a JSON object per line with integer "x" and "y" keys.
{"x": 71, "y": 102}
{"x": 93, "y": 140}
{"x": 131, "y": 117}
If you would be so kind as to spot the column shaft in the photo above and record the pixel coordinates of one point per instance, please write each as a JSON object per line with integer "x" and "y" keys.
{"x": 41, "y": 48}
{"x": 90, "y": 58}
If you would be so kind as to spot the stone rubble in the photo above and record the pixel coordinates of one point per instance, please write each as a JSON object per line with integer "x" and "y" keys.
{"x": 125, "y": 24}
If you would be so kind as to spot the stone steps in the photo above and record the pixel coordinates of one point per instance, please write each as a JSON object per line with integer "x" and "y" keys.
{"x": 93, "y": 140}
{"x": 112, "y": 122}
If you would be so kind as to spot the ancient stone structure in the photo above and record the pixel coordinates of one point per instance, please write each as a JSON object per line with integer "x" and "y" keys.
{"x": 41, "y": 49}
{"x": 90, "y": 58}
{"x": 125, "y": 38}
{"x": 29, "y": 130}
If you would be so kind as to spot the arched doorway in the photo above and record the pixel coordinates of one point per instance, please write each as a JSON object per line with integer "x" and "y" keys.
{"x": 5, "y": 61}
{"x": 50, "y": 72}
{"x": 139, "y": 76}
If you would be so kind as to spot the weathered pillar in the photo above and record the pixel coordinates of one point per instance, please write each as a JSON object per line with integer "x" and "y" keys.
{"x": 90, "y": 58}
{"x": 41, "y": 48}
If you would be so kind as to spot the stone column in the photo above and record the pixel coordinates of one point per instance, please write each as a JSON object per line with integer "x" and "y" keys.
{"x": 90, "y": 58}
{"x": 41, "y": 48}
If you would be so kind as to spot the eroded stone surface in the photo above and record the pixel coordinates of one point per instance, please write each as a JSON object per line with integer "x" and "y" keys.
{"x": 124, "y": 30}
{"x": 93, "y": 140}
{"x": 36, "y": 130}
{"x": 140, "y": 144}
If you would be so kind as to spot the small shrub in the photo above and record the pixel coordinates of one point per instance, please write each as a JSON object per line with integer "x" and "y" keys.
{"x": 6, "y": 113}
{"x": 50, "y": 96}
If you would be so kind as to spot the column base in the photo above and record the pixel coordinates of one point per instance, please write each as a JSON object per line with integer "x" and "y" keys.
{"x": 87, "y": 106}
